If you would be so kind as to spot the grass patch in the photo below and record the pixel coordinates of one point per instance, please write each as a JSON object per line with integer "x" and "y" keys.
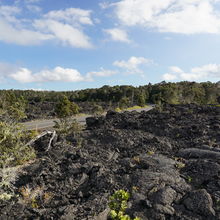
{"x": 136, "y": 107}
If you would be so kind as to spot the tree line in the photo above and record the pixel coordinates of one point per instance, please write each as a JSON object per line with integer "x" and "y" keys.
{"x": 19, "y": 102}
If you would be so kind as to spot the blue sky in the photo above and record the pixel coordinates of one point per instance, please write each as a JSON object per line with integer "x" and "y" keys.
{"x": 77, "y": 44}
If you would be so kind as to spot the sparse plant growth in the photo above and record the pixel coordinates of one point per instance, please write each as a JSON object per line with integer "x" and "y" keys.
{"x": 97, "y": 110}
{"x": 71, "y": 130}
{"x": 67, "y": 126}
{"x": 34, "y": 197}
{"x": 13, "y": 146}
{"x": 189, "y": 179}
{"x": 150, "y": 153}
{"x": 118, "y": 109}
{"x": 180, "y": 165}
{"x": 166, "y": 159}
{"x": 7, "y": 178}
{"x": 118, "y": 205}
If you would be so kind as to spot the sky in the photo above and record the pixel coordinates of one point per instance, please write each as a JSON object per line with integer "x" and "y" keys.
{"x": 78, "y": 44}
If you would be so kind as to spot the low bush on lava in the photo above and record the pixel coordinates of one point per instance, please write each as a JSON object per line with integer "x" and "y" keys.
{"x": 118, "y": 205}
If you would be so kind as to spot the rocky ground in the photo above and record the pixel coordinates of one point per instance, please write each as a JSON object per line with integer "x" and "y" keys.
{"x": 169, "y": 161}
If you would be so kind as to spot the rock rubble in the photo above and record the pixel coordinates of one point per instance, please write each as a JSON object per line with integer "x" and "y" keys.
{"x": 169, "y": 161}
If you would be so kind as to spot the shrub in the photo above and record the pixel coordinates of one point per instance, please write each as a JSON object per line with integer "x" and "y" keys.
{"x": 34, "y": 197}
{"x": 13, "y": 150}
{"x": 118, "y": 204}
{"x": 97, "y": 109}
{"x": 65, "y": 108}
{"x": 67, "y": 126}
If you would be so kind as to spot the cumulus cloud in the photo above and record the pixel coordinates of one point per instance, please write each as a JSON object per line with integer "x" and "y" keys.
{"x": 185, "y": 16}
{"x": 24, "y": 75}
{"x": 169, "y": 77}
{"x": 206, "y": 72}
{"x": 57, "y": 74}
{"x": 132, "y": 65}
{"x": 117, "y": 34}
{"x": 10, "y": 34}
{"x": 64, "y": 33}
{"x": 64, "y": 26}
{"x": 102, "y": 73}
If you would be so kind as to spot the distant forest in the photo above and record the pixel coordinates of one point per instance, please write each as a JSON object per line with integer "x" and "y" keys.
{"x": 36, "y": 104}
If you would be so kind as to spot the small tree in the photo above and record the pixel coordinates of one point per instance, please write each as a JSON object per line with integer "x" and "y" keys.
{"x": 66, "y": 108}
{"x": 124, "y": 102}
{"x": 141, "y": 100}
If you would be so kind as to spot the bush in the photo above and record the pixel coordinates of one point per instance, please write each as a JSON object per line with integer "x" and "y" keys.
{"x": 65, "y": 108}
{"x": 12, "y": 145}
{"x": 97, "y": 109}
{"x": 118, "y": 205}
{"x": 67, "y": 126}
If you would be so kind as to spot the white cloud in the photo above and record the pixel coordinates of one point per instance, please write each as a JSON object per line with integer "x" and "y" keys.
{"x": 32, "y": 1}
{"x": 176, "y": 69}
{"x": 57, "y": 74}
{"x": 24, "y": 75}
{"x": 63, "y": 26}
{"x": 132, "y": 64}
{"x": 169, "y": 77}
{"x": 65, "y": 33}
{"x": 9, "y": 34}
{"x": 5, "y": 70}
{"x": 71, "y": 16}
{"x": 118, "y": 35}
{"x": 185, "y": 16}
{"x": 27, "y": 1}
{"x": 206, "y": 72}
{"x": 34, "y": 8}
{"x": 104, "y": 5}
{"x": 102, "y": 73}
{"x": 8, "y": 13}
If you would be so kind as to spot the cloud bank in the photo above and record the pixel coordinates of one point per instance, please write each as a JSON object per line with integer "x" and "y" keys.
{"x": 175, "y": 16}
{"x": 62, "y": 26}
{"x": 205, "y": 72}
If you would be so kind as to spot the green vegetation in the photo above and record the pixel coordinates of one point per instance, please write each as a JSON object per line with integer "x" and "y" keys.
{"x": 97, "y": 109}
{"x": 19, "y": 104}
{"x": 13, "y": 138}
{"x": 118, "y": 204}
{"x": 65, "y": 108}
{"x": 67, "y": 126}
{"x": 13, "y": 150}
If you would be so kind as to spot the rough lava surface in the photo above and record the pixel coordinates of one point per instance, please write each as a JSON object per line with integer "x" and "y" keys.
{"x": 168, "y": 160}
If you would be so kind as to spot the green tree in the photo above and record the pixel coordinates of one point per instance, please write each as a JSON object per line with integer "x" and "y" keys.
{"x": 124, "y": 102}
{"x": 66, "y": 108}
{"x": 141, "y": 100}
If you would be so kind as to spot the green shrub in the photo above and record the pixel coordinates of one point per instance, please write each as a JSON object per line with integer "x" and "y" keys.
{"x": 67, "y": 126}
{"x": 97, "y": 109}
{"x": 12, "y": 145}
{"x": 118, "y": 204}
{"x": 65, "y": 108}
